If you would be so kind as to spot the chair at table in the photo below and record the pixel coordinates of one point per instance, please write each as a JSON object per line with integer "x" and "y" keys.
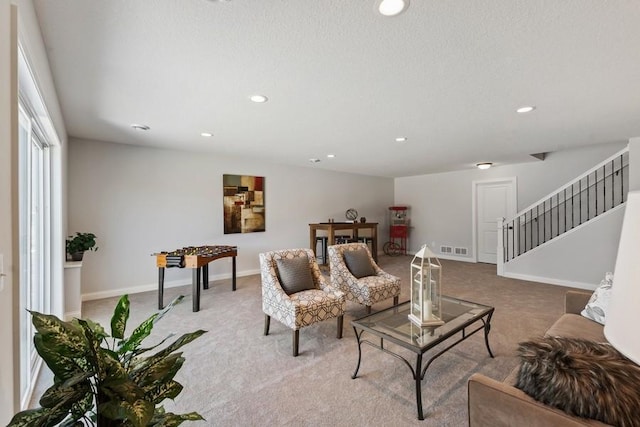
{"x": 354, "y": 272}
{"x": 295, "y": 293}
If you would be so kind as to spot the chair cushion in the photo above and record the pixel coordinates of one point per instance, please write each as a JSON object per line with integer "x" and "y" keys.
{"x": 581, "y": 377}
{"x": 358, "y": 263}
{"x": 294, "y": 274}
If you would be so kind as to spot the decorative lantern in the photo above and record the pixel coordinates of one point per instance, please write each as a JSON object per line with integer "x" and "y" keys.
{"x": 426, "y": 279}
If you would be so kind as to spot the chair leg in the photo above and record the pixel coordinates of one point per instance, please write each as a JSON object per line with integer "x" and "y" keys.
{"x": 296, "y": 340}
{"x": 340, "y": 322}
{"x": 267, "y": 322}
{"x": 368, "y": 309}
{"x": 395, "y": 300}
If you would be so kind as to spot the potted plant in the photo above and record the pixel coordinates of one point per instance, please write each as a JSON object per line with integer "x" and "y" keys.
{"x": 78, "y": 244}
{"x": 103, "y": 379}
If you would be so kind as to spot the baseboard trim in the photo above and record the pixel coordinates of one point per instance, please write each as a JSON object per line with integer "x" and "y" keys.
{"x": 72, "y": 315}
{"x": 551, "y": 281}
{"x": 154, "y": 287}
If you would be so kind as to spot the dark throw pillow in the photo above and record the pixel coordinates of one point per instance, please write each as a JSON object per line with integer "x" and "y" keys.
{"x": 294, "y": 274}
{"x": 582, "y": 378}
{"x": 358, "y": 263}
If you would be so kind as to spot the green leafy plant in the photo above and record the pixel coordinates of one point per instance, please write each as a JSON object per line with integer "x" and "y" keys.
{"x": 105, "y": 380}
{"x": 81, "y": 242}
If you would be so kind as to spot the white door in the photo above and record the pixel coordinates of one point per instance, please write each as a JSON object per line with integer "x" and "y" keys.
{"x": 494, "y": 199}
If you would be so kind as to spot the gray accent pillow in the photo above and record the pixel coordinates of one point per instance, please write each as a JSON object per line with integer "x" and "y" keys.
{"x": 358, "y": 263}
{"x": 294, "y": 274}
{"x": 596, "y": 308}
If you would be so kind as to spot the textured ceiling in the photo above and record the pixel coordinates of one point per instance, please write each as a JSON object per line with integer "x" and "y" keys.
{"x": 343, "y": 79}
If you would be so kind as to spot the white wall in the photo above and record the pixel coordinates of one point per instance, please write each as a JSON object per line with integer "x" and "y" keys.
{"x": 634, "y": 158}
{"x": 441, "y": 204}
{"x": 142, "y": 200}
{"x": 8, "y": 246}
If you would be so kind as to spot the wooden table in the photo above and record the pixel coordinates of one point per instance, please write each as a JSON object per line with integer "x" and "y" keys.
{"x": 332, "y": 227}
{"x": 198, "y": 259}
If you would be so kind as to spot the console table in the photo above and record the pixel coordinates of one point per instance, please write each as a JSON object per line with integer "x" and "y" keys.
{"x": 332, "y": 227}
{"x": 198, "y": 259}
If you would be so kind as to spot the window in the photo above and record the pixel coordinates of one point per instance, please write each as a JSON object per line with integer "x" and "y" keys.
{"x": 39, "y": 232}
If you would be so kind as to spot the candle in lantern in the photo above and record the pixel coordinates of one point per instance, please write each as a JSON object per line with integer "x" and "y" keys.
{"x": 428, "y": 307}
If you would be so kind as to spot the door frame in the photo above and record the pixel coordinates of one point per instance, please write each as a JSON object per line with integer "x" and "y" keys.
{"x": 512, "y": 181}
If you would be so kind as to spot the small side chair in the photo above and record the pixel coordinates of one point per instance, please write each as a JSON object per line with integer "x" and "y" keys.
{"x": 354, "y": 272}
{"x": 295, "y": 293}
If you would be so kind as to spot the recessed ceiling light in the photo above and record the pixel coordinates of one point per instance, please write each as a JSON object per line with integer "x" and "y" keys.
{"x": 259, "y": 98}
{"x": 526, "y": 109}
{"x": 401, "y": 139}
{"x": 331, "y": 156}
{"x": 140, "y": 127}
{"x": 485, "y": 165}
{"x": 392, "y": 7}
{"x": 314, "y": 160}
{"x": 206, "y": 134}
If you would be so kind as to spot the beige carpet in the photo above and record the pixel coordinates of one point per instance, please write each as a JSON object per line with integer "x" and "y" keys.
{"x": 235, "y": 376}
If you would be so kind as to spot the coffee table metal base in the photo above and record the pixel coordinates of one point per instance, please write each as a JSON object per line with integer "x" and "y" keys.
{"x": 419, "y": 372}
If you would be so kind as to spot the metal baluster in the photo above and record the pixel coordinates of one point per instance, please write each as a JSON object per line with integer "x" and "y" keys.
{"x": 531, "y": 228}
{"x": 513, "y": 239}
{"x": 565, "y": 209}
{"x": 595, "y": 172}
{"x": 613, "y": 182}
{"x": 580, "y": 201}
{"x": 622, "y": 177}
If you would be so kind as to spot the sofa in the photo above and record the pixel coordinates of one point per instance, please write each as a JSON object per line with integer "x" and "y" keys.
{"x": 500, "y": 404}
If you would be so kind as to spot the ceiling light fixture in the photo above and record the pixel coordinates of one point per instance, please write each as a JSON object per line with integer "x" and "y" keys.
{"x": 526, "y": 109}
{"x": 485, "y": 165}
{"x": 331, "y": 156}
{"x": 259, "y": 98}
{"x": 314, "y": 160}
{"x": 401, "y": 139}
{"x": 206, "y": 134}
{"x": 140, "y": 127}
{"x": 392, "y": 7}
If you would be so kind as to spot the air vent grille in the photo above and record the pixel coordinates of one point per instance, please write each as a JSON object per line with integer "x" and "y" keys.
{"x": 460, "y": 251}
{"x": 446, "y": 249}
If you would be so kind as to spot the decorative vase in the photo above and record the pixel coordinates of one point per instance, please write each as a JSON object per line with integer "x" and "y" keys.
{"x": 363, "y": 219}
{"x": 77, "y": 256}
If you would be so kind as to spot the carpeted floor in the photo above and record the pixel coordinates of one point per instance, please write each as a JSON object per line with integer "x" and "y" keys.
{"x": 235, "y": 376}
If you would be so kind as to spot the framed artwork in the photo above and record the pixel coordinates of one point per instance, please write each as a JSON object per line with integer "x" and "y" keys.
{"x": 243, "y": 202}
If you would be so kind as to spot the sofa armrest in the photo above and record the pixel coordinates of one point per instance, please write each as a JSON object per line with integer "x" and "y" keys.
{"x": 574, "y": 301}
{"x": 496, "y": 404}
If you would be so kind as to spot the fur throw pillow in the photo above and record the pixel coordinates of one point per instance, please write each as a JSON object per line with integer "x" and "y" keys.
{"x": 583, "y": 378}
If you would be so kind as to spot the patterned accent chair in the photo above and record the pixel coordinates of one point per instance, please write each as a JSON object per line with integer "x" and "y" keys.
{"x": 299, "y": 309}
{"x": 366, "y": 290}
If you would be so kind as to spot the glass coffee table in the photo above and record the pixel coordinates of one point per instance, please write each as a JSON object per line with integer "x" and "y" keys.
{"x": 393, "y": 325}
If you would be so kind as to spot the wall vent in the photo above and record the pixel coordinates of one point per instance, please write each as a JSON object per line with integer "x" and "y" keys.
{"x": 461, "y": 251}
{"x": 446, "y": 249}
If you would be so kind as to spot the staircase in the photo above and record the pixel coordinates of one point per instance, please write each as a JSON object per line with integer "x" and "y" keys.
{"x": 599, "y": 190}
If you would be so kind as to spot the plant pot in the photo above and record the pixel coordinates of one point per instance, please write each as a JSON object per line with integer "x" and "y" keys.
{"x": 77, "y": 256}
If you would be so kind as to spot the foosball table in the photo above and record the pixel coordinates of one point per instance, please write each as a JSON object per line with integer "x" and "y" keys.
{"x": 197, "y": 258}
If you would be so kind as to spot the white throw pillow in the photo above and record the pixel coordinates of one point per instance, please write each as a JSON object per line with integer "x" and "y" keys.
{"x": 596, "y": 308}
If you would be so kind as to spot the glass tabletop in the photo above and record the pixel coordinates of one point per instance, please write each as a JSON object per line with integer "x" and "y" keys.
{"x": 394, "y": 324}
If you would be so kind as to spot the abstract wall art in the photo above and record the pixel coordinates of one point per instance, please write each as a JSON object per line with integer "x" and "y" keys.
{"x": 243, "y": 203}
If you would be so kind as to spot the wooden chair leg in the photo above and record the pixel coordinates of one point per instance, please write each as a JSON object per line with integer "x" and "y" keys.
{"x": 368, "y": 307}
{"x": 267, "y": 322}
{"x": 395, "y": 300}
{"x": 340, "y": 322}
{"x": 296, "y": 340}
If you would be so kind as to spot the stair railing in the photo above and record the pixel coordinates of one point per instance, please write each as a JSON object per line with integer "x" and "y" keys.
{"x": 595, "y": 192}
